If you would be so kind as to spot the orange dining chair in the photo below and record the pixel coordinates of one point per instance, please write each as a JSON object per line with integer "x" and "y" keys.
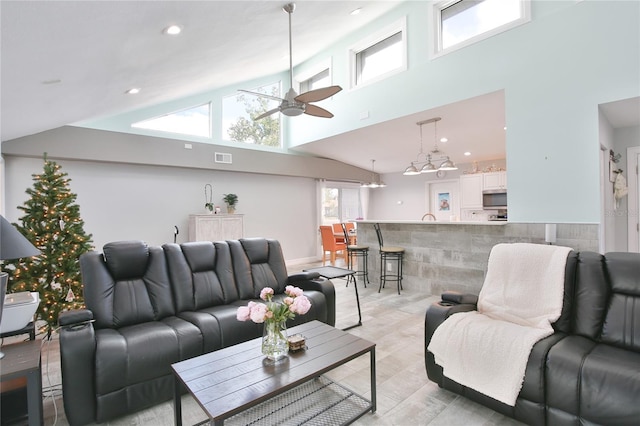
{"x": 337, "y": 232}
{"x": 329, "y": 244}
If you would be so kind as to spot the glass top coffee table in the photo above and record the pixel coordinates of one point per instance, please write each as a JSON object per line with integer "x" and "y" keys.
{"x": 237, "y": 385}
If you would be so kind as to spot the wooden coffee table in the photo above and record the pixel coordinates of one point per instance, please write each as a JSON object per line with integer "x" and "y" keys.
{"x": 239, "y": 385}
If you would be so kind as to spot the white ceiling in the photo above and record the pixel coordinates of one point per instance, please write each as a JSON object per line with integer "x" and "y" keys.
{"x": 67, "y": 61}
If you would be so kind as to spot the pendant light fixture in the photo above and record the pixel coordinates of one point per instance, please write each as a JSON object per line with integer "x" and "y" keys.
{"x": 375, "y": 183}
{"x": 427, "y": 166}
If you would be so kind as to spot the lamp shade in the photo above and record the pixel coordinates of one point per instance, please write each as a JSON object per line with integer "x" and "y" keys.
{"x": 448, "y": 165}
{"x": 13, "y": 245}
{"x": 411, "y": 170}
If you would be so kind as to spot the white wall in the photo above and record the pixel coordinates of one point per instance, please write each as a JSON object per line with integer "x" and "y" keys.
{"x": 554, "y": 71}
{"x": 122, "y": 202}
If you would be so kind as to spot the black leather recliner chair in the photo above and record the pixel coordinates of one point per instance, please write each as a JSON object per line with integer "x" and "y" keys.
{"x": 149, "y": 307}
{"x": 588, "y": 371}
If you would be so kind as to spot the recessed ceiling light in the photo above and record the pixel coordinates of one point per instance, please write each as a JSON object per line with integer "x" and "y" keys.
{"x": 467, "y": 153}
{"x": 444, "y": 140}
{"x": 133, "y": 91}
{"x": 504, "y": 128}
{"x": 172, "y": 30}
{"x": 356, "y": 11}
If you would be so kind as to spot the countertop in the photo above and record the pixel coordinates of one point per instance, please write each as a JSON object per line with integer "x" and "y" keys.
{"x": 431, "y": 222}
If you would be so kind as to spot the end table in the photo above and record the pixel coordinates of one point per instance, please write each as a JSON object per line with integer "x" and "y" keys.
{"x": 331, "y": 272}
{"x": 23, "y": 360}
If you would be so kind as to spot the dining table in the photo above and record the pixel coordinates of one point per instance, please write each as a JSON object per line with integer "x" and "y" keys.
{"x": 353, "y": 237}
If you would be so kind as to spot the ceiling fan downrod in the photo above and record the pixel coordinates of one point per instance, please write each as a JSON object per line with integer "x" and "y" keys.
{"x": 289, "y": 8}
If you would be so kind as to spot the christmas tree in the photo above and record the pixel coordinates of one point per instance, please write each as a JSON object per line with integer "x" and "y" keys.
{"x": 52, "y": 223}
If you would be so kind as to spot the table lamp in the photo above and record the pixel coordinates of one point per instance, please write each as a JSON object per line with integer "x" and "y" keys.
{"x": 13, "y": 245}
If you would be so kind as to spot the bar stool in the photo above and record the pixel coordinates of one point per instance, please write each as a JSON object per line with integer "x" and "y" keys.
{"x": 389, "y": 254}
{"x": 361, "y": 255}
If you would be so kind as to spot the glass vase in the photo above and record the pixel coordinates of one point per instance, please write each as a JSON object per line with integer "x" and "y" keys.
{"x": 274, "y": 340}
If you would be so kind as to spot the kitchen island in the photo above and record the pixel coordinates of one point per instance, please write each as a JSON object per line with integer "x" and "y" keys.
{"x": 453, "y": 255}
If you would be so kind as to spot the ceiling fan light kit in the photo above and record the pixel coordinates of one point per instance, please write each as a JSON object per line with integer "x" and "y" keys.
{"x": 293, "y": 104}
{"x": 427, "y": 166}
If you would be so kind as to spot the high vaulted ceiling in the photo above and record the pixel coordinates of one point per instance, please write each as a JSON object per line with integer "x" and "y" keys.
{"x": 67, "y": 61}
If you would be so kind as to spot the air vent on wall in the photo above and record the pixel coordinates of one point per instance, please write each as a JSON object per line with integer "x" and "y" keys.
{"x": 222, "y": 157}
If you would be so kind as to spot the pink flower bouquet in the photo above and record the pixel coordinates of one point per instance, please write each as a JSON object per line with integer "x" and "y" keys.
{"x": 295, "y": 303}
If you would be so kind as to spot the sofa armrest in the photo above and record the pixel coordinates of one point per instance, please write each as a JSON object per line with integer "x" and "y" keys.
{"x": 436, "y": 314}
{"x": 440, "y": 311}
{"x": 320, "y": 284}
{"x": 77, "y": 360}
{"x": 457, "y": 297}
{"x": 75, "y": 317}
{"x": 302, "y": 276}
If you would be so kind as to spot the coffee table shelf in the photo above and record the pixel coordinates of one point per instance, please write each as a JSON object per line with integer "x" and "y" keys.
{"x": 317, "y": 402}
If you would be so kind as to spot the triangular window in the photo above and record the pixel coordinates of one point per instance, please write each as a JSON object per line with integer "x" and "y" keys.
{"x": 194, "y": 121}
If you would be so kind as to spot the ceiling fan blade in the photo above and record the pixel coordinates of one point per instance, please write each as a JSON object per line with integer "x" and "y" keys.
{"x": 318, "y": 94}
{"x": 265, "y": 114}
{"x": 317, "y": 111}
{"x": 262, "y": 95}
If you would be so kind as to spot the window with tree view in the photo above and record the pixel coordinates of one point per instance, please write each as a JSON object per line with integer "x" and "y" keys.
{"x": 239, "y": 113}
{"x": 340, "y": 203}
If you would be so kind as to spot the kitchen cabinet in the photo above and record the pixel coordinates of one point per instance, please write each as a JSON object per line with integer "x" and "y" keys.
{"x": 215, "y": 227}
{"x": 494, "y": 180}
{"x": 471, "y": 191}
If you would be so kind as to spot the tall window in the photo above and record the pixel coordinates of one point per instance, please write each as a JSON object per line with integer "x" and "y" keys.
{"x": 194, "y": 121}
{"x": 239, "y": 113}
{"x": 340, "y": 203}
{"x": 380, "y": 55}
{"x": 463, "y": 22}
{"x": 317, "y": 81}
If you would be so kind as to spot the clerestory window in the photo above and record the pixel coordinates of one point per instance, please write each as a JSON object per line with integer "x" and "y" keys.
{"x": 459, "y": 23}
{"x": 379, "y": 56}
{"x": 194, "y": 121}
{"x": 238, "y": 117}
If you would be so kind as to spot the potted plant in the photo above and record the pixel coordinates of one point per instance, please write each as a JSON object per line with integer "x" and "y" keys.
{"x": 230, "y": 200}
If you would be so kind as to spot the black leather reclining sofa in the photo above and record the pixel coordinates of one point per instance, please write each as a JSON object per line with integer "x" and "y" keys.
{"x": 149, "y": 307}
{"x": 588, "y": 371}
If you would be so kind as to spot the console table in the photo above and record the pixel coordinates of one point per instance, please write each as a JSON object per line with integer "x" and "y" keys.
{"x": 215, "y": 227}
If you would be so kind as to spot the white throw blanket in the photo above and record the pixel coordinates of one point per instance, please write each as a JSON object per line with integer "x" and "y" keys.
{"x": 487, "y": 350}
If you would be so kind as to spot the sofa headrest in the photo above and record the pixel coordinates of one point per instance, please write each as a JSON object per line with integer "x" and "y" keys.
{"x": 624, "y": 272}
{"x": 257, "y": 249}
{"x": 126, "y": 259}
{"x": 200, "y": 255}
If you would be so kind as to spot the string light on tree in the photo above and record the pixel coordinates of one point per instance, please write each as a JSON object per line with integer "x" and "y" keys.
{"x": 52, "y": 223}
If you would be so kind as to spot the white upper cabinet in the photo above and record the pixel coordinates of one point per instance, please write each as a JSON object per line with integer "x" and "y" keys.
{"x": 494, "y": 180}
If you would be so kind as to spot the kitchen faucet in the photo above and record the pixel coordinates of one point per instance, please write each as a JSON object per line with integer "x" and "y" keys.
{"x": 429, "y": 214}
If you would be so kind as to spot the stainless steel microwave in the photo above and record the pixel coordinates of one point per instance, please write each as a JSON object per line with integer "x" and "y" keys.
{"x": 494, "y": 199}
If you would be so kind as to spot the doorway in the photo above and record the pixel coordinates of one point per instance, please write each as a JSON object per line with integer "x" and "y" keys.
{"x": 444, "y": 200}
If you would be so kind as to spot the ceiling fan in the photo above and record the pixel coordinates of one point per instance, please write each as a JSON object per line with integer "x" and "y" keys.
{"x": 294, "y": 104}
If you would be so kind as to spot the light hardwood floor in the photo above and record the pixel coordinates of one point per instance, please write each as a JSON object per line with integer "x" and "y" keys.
{"x": 404, "y": 393}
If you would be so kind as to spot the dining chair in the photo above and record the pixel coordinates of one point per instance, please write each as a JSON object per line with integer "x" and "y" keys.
{"x": 337, "y": 232}
{"x": 329, "y": 244}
